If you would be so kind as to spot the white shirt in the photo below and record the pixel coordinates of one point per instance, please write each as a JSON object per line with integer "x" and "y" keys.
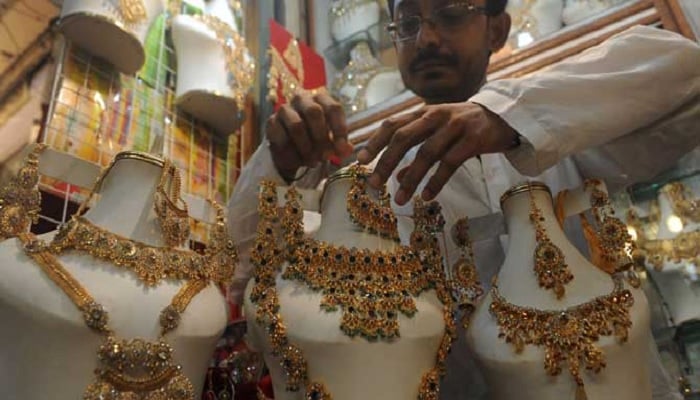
{"x": 622, "y": 111}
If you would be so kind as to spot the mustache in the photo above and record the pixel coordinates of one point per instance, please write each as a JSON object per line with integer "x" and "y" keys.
{"x": 432, "y": 56}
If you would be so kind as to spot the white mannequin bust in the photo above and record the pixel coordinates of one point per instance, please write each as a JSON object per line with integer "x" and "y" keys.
{"x": 350, "y": 369}
{"x": 203, "y": 78}
{"x": 681, "y": 297}
{"x": 626, "y": 376}
{"x": 100, "y": 28}
{"x": 47, "y": 351}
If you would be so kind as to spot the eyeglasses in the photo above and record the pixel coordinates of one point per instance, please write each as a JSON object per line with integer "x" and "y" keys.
{"x": 445, "y": 19}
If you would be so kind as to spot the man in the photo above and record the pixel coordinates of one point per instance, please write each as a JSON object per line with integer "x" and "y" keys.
{"x": 622, "y": 111}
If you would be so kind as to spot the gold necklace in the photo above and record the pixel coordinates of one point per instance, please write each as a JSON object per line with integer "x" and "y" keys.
{"x": 369, "y": 318}
{"x": 134, "y": 369}
{"x": 568, "y": 336}
{"x": 150, "y": 264}
{"x": 377, "y": 218}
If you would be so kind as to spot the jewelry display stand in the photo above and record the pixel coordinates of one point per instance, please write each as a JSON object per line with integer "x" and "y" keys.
{"x": 625, "y": 374}
{"x": 31, "y": 304}
{"x": 214, "y": 68}
{"x": 387, "y": 369}
{"x": 114, "y": 30}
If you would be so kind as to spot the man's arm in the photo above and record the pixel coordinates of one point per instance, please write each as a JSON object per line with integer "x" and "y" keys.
{"x": 635, "y": 81}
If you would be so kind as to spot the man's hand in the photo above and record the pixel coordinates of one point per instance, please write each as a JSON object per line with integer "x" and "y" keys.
{"x": 305, "y": 132}
{"x": 450, "y": 134}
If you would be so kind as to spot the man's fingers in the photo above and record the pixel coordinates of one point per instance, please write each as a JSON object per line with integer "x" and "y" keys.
{"x": 453, "y": 159}
{"x": 335, "y": 118}
{"x": 382, "y": 136}
{"x": 401, "y": 141}
{"x": 313, "y": 116}
{"x": 429, "y": 153}
{"x": 296, "y": 130}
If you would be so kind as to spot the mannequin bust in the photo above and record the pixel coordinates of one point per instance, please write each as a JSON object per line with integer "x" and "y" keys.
{"x": 626, "y": 376}
{"x": 104, "y": 29}
{"x": 350, "y": 368}
{"x": 212, "y": 78}
{"x": 365, "y": 82}
{"x": 42, "y": 330}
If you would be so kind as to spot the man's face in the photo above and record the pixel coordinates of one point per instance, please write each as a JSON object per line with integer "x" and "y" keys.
{"x": 444, "y": 62}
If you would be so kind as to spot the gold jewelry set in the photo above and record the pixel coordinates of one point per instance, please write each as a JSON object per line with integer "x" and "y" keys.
{"x": 20, "y": 200}
{"x": 568, "y": 336}
{"x": 370, "y": 287}
{"x": 135, "y": 369}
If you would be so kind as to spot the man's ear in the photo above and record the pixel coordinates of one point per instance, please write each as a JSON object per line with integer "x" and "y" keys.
{"x": 499, "y": 27}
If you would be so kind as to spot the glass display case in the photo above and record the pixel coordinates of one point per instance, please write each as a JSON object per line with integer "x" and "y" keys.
{"x": 663, "y": 217}
{"x": 543, "y": 32}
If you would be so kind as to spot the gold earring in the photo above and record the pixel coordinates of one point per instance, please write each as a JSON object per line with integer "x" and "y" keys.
{"x": 550, "y": 266}
{"x": 20, "y": 199}
{"x": 614, "y": 246}
{"x": 221, "y": 251}
{"x": 170, "y": 208}
{"x": 465, "y": 280}
{"x": 428, "y": 222}
{"x": 374, "y": 216}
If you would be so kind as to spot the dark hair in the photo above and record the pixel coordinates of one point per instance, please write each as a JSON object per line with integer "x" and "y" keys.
{"x": 493, "y": 7}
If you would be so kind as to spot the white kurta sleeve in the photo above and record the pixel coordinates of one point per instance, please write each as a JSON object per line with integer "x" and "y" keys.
{"x": 243, "y": 210}
{"x": 622, "y": 86}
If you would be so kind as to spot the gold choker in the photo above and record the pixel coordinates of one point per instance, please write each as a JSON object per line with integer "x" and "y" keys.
{"x": 150, "y": 264}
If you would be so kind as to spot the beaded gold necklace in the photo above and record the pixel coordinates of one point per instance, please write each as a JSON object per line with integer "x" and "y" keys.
{"x": 134, "y": 369}
{"x": 370, "y": 287}
{"x": 569, "y": 335}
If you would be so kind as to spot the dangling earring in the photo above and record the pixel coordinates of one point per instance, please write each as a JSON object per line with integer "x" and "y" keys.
{"x": 20, "y": 200}
{"x": 373, "y": 216}
{"x": 428, "y": 222}
{"x": 465, "y": 280}
{"x": 550, "y": 266}
{"x": 221, "y": 251}
{"x": 170, "y": 208}
{"x": 614, "y": 241}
